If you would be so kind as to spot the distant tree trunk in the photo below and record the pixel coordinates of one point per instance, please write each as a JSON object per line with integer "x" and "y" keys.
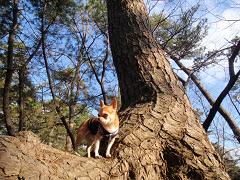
{"x": 9, "y": 73}
{"x": 74, "y": 95}
{"x": 161, "y": 137}
{"x": 57, "y": 107}
{"x": 71, "y": 126}
{"x": 21, "y": 100}
{"x": 51, "y": 85}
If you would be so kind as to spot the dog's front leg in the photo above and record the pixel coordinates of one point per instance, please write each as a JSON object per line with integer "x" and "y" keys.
{"x": 110, "y": 143}
{"x": 96, "y": 150}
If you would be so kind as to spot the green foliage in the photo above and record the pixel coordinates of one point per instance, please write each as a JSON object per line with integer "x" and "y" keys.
{"x": 98, "y": 12}
{"x": 5, "y": 18}
{"x": 54, "y": 9}
{"x": 180, "y": 36}
{"x": 44, "y": 121}
{"x": 65, "y": 75}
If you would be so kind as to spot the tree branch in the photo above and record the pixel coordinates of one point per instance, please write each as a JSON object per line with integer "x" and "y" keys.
{"x": 232, "y": 58}
{"x": 231, "y": 122}
{"x": 232, "y": 80}
{"x": 234, "y": 105}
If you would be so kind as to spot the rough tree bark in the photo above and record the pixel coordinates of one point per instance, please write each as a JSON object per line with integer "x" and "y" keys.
{"x": 160, "y": 136}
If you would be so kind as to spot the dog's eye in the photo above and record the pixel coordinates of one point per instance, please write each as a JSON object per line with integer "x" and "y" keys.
{"x": 105, "y": 115}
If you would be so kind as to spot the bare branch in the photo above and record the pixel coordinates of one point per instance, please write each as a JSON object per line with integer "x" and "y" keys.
{"x": 232, "y": 58}
{"x": 234, "y": 105}
{"x": 223, "y": 94}
{"x": 231, "y": 122}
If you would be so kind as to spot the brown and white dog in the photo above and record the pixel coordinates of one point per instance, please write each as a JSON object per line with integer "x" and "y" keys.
{"x": 93, "y": 130}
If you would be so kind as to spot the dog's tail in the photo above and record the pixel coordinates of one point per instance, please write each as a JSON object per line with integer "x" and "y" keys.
{"x": 77, "y": 143}
{"x": 80, "y": 135}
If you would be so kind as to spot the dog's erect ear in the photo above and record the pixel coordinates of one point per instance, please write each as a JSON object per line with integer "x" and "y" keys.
{"x": 114, "y": 103}
{"x": 102, "y": 103}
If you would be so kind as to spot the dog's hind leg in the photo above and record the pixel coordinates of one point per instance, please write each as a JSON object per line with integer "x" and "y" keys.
{"x": 89, "y": 151}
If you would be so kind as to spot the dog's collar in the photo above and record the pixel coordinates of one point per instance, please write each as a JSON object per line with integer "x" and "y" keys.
{"x": 95, "y": 126}
{"x": 107, "y": 134}
{"x": 111, "y": 135}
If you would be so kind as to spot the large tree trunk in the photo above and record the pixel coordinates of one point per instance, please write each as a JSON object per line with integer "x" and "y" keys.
{"x": 160, "y": 135}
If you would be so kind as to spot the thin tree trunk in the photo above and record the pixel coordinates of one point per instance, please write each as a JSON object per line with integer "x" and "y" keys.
{"x": 74, "y": 96}
{"x": 21, "y": 101}
{"x": 57, "y": 108}
{"x": 231, "y": 122}
{"x": 51, "y": 86}
{"x": 9, "y": 73}
{"x": 71, "y": 126}
{"x": 104, "y": 65}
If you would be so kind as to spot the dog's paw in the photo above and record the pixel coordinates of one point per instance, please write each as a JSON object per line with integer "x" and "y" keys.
{"x": 108, "y": 156}
{"x": 98, "y": 157}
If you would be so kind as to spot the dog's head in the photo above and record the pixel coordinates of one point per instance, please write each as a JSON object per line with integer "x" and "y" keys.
{"x": 107, "y": 114}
